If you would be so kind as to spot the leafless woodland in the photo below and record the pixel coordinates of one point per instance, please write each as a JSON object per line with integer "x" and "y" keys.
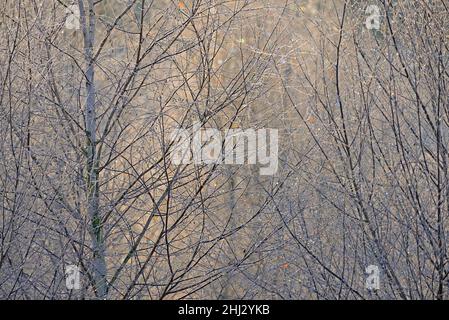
{"x": 86, "y": 176}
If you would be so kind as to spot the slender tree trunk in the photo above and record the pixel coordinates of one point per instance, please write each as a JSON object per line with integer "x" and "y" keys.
{"x": 92, "y": 170}
{"x": 227, "y": 292}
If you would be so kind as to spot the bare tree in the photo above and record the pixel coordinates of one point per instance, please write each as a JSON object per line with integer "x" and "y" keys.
{"x": 91, "y": 92}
